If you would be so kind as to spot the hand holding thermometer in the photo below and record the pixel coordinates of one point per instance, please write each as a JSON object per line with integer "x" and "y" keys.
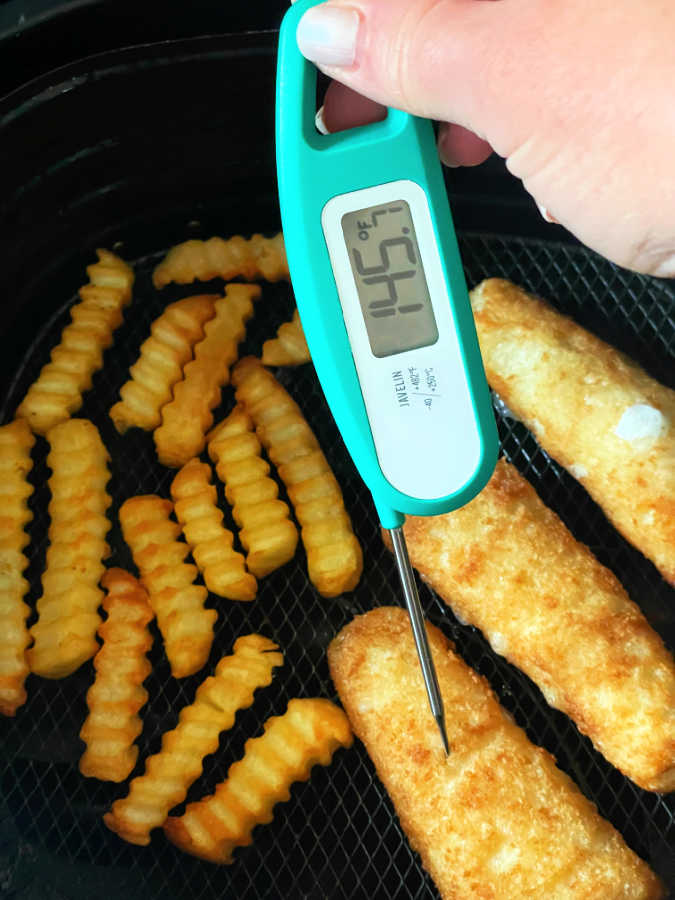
{"x": 381, "y": 293}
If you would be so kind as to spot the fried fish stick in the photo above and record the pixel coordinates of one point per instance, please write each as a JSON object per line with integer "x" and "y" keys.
{"x": 495, "y": 818}
{"x": 507, "y": 564}
{"x": 169, "y": 773}
{"x": 257, "y": 257}
{"x": 16, "y": 442}
{"x": 65, "y": 633}
{"x": 334, "y": 556}
{"x": 57, "y": 393}
{"x": 185, "y": 624}
{"x": 160, "y": 362}
{"x": 117, "y": 694}
{"x": 267, "y": 533}
{"x": 309, "y": 733}
{"x": 594, "y": 410}
{"x": 195, "y": 504}
{"x": 289, "y": 347}
{"x": 187, "y": 417}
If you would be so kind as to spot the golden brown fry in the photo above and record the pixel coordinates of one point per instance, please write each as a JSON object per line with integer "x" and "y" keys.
{"x": 160, "y": 362}
{"x": 178, "y": 604}
{"x": 169, "y": 773}
{"x": 195, "y": 504}
{"x": 289, "y": 347}
{"x": 257, "y": 257}
{"x": 57, "y": 393}
{"x": 16, "y": 442}
{"x": 65, "y": 633}
{"x": 187, "y": 417}
{"x": 334, "y": 556}
{"x": 507, "y": 564}
{"x": 308, "y": 734}
{"x": 117, "y": 694}
{"x": 267, "y": 533}
{"x": 495, "y": 818}
{"x": 597, "y": 412}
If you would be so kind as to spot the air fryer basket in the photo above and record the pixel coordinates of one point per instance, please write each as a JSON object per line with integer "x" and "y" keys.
{"x": 141, "y": 149}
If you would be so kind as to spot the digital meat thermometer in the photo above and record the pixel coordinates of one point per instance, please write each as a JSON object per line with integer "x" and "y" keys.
{"x": 379, "y": 285}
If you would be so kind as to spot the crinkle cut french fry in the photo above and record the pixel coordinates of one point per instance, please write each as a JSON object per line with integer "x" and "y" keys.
{"x": 494, "y": 819}
{"x": 574, "y": 631}
{"x": 267, "y": 533}
{"x": 309, "y": 733}
{"x": 594, "y": 410}
{"x": 185, "y": 624}
{"x": 65, "y": 632}
{"x": 196, "y": 508}
{"x": 16, "y": 442}
{"x": 257, "y": 257}
{"x": 187, "y": 417}
{"x": 160, "y": 362}
{"x": 57, "y": 392}
{"x": 334, "y": 556}
{"x": 289, "y": 347}
{"x": 169, "y": 773}
{"x": 117, "y": 694}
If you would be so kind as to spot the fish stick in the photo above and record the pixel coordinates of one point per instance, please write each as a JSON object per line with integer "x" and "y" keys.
{"x": 267, "y": 533}
{"x": 184, "y": 622}
{"x": 195, "y": 504}
{"x": 594, "y": 410}
{"x": 16, "y": 442}
{"x": 334, "y": 557}
{"x": 187, "y": 417}
{"x": 57, "y": 393}
{"x": 169, "y": 773}
{"x": 257, "y": 257}
{"x": 117, "y": 694}
{"x": 160, "y": 362}
{"x": 495, "y": 818}
{"x": 289, "y": 347}
{"x": 308, "y": 734}
{"x": 65, "y": 632}
{"x": 507, "y": 564}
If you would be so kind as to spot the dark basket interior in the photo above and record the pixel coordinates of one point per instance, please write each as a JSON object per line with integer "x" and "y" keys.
{"x": 338, "y": 836}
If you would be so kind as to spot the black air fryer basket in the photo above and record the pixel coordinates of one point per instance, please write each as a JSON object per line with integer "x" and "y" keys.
{"x": 137, "y": 150}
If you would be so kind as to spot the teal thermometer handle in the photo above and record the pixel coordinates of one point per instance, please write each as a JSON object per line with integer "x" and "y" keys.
{"x": 314, "y": 169}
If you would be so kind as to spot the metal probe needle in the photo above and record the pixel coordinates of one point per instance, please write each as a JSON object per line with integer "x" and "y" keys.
{"x": 412, "y": 601}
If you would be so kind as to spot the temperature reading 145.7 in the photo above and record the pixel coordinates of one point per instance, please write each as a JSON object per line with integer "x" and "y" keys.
{"x": 386, "y": 264}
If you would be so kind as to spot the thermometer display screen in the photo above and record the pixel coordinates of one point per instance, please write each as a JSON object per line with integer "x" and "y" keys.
{"x": 386, "y": 264}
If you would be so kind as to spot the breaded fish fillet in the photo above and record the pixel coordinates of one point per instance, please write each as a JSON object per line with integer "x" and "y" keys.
{"x": 496, "y": 819}
{"x": 507, "y": 564}
{"x": 594, "y": 410}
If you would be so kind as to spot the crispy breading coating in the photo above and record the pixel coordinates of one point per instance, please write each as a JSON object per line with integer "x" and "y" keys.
{"x": 495, "y": 818}
{"x": 267, "y": 533}
{"x": 117, "y": 694}
{"x": 160, "y": 362}
{"x": 594, "y": 410}
{"x": 169, "y": 773}
{"x": 187, "y": 417}
{"x": 309, "y": 733}
{"x": 257, "y": 257}
{"x": 334, "y": 557}
{"x": 289, "y": 347}
{"x": 65, "y": 633}
{"x": 185, "y": 624}
{"x": 196, "y": 506}
{"x": 507, "y": 564}
{"x": 57, "y": 392}
{"x": 16, "y": 441}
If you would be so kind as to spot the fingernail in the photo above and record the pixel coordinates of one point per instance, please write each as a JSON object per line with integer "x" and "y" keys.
{"x": 327, "y": 35}
{"x": 320, "y": 122}
{"x": 546, "y": 215}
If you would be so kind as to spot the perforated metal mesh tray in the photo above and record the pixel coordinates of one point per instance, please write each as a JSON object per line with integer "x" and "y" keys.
{"x": 338, "y": 836}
